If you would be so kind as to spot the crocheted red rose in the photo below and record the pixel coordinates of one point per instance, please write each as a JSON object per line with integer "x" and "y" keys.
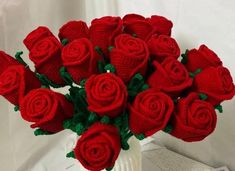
{"x": 80, "y": 59}
{"x": 16, "y": 81}
{"x": 104, "y": 30}
{"x": 46, "y": 56}
{"x": 36, "y": 35}
{"x": 150, "y": 112}
{"x": 135, "y": 24}
{"x": 99, "y": 147}
{"x": 46, "y": 108}
{"x": 130, "y": 56}
{"x": 194, "y": 119}
{"x": 170, "y": 76}
{"x": 106, "y": 94}
{"x": 5, "y": 61}
{"x": 216, "y": 83}
{"x": 161, "y": 47}
{"x": 73, "y": 30}
{"x": 161, "y": 25}
{"x": 201, "y": 58}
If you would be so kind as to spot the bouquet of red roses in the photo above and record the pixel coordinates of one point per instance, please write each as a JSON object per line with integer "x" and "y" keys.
{"x": 125, "y": 77}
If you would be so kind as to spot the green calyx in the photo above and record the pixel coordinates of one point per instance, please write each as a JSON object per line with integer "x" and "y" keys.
{"x": 219, "y": 108}
{"x": 109, "y": 169}
{"x": 202, "y": 96}
{"x": 83, "y": 82}
{"x": 168, "y": 128}
{"x": 38, "y": 132}
{"x": 105, "y": 120}
{"x": 16, "y": 108}
{"x": 70, "y": 155}
{"x": 140, "y": 136}
{"x": 184, "y": 56}
{"x": 110, "y": 48}
{"x": 134, "y": 35}
{"x": 109, "y": 68}
{"x": 64, "y": 42}
{"x": 193, "y": 74}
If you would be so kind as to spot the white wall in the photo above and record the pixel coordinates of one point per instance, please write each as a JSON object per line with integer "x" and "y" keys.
{"x": 195, "y": 22}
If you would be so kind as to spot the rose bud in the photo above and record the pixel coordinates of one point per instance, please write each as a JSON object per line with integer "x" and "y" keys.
{"x": 161, "y": 25}
{"x": 46, "y": 56}
{"x": 135, "y": 24}
{"x": 80, "y": 59}
{"x": 194, "y": 119}
{"x": 130, "y": 56}
{"x": 161, "y": 47}
{"x": 150, "y": 112}
{"x": 46, "y": 108}
{"x": 73, "y": 30}
{"x": 99, "y": 147}
{"x": 201, "y": 59}
{"x": 16, "y": 81}
{"x": 216, "y": 83}
{"x": 6, "y": 61}
{"x": 170, "y": 77}
{"x": 36, "y": 35}
{"x": 104, "y": 30}
{"x": 106, "y": 94}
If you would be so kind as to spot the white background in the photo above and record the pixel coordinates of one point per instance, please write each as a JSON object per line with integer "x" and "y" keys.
{"x": 195, "y": 22}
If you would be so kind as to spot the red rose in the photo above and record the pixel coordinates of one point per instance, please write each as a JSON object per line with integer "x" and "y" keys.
{"x": 16, "y": 81}
{"x": 130, "y": 56}
{"x": 106, "y": 94}
{"x": 46, "y": 108}
{"x": 216, "y": 83}
{"x": 170, "y": 76}
{"x": 194, "y": 119}
{"x": 80, "y": 60}
{"x": 46, "y": 56}
{"x": 161, "y": 25}
{"x": 138, "y": 25}
{"x": 6, "y": 61}
{"x": 150, "y": 112}
{"x": 104, "y": 30}
{"x": 73, "y": 30}
{"x": 161, "y": 47}
{"x": 201, "y": 58}
{"x": 99, "y": 147}
{"x": 36, "y": 35}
